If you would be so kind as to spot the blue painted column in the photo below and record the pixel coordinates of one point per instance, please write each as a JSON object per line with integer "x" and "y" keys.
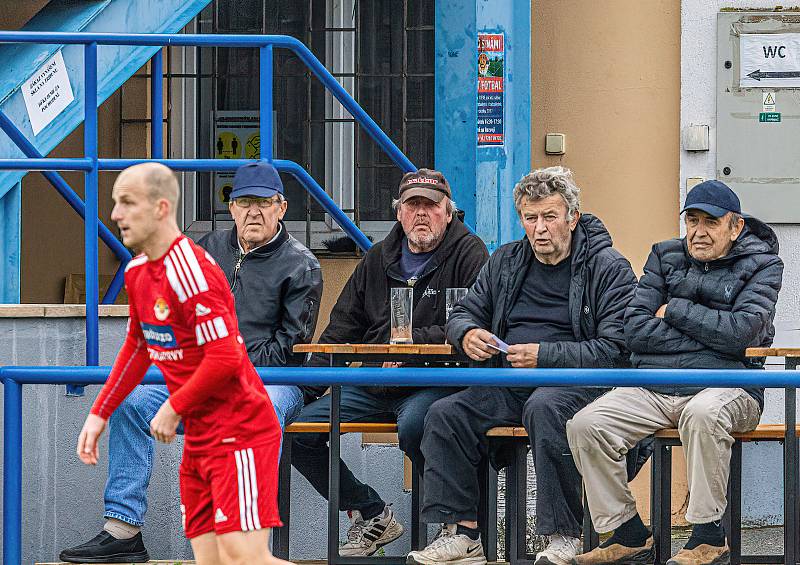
{"x": 483, "y": 177}
{"x": 10, "y": 213}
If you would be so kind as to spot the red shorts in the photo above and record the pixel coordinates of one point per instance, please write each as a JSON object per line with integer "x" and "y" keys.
{"x": 231, "y": 491}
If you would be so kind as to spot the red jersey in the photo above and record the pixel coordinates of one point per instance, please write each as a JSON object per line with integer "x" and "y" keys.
{"x": 182, "y": 314}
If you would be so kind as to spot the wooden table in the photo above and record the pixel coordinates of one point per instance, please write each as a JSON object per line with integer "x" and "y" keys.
{"x": 791, "y": 486}
{"x": 341, "y": 353}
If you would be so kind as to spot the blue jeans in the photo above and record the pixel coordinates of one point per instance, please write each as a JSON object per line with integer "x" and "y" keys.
{"x": 130, "y": 446}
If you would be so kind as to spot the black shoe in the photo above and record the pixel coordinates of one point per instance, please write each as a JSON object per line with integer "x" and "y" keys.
{"x": 105, "y": 548}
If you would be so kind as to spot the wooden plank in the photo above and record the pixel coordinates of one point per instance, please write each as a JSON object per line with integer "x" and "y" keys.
{"x": 507, "y": 431}
{"x": 772, "y": 352}
{"x": 762, "y": 432}
{"x": 345, "y": 427}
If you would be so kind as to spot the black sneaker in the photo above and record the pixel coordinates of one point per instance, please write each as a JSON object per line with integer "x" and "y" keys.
{"x": 105, "y": 548}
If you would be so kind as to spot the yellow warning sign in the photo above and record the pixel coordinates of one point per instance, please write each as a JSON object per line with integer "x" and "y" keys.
{"x": 252, "y": 149}
{"x": 225, "y": 193}
{"x": 769, "y": 99}
{"x": 228, "y": 145}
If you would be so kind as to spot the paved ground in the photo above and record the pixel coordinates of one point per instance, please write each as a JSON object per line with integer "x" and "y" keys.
{"x": 767, "y": 541}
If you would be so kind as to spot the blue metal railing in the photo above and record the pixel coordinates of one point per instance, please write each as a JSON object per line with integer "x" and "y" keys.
{"x": 13, "y": 379}
{"x": 91, "y": 164}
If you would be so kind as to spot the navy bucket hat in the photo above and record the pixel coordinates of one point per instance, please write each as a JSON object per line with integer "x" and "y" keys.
{"x": 259, "y": 179}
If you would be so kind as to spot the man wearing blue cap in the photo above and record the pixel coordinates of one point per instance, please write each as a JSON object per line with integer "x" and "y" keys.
{"x": 277, "y": 284}
{"x": 703, "y": 300}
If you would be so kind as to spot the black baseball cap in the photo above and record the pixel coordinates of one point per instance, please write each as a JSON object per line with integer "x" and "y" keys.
{"x": 424, "y": 182}
{"x": 259, "y": 178}
{"x": 712, "y": 197}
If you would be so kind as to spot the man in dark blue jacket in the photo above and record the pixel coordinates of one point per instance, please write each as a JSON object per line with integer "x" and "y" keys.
{"x": 702, "y": 301}
{"x": 558, "y": 298}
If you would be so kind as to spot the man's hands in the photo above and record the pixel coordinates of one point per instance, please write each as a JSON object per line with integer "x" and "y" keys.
{"x": 164, "y": 425}
{"x": 475, "y": 344}
{"x": 87, "y": 440}
{"x": 523, "y": 355}
{"x": 661, "y": 311}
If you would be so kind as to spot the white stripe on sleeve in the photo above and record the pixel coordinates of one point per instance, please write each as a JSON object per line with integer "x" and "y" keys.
{"x": 173, "y": 280}
{"x": 188, "y": 253}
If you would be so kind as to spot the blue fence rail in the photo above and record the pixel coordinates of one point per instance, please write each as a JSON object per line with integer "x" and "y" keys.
{"x": 13, "y": 379}
{"x": 91, "y": 164}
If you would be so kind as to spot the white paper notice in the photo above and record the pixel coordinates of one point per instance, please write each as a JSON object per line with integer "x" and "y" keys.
{"x": 769, "y": 60}
{"x": 47, "y": 93}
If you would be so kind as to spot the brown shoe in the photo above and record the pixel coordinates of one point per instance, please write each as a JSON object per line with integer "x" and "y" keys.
{"x": 617, "y": 554}
{"x": 702, "y": 555}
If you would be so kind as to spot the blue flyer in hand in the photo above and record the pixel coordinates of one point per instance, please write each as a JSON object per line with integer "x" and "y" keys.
{"x": 501, "y": 345}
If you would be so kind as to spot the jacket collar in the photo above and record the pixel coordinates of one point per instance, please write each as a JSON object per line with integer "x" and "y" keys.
{"x": 268, "y": 249}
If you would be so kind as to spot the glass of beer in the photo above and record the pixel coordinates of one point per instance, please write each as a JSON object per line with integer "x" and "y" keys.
{"x": 401, "y": 304}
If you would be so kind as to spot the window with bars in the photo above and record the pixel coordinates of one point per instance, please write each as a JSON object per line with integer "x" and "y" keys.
{"x": 381, "y": 51}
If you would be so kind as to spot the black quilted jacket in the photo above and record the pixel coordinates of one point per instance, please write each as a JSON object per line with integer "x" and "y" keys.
{"x": 714, "y": 310}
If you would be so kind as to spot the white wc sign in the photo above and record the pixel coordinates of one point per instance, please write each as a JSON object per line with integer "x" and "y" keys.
{"x": 47, "y": 92}
{"x": 768, "y": 60}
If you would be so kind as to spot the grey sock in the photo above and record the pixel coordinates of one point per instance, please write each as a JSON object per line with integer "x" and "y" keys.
{"x": 120, "y": 529}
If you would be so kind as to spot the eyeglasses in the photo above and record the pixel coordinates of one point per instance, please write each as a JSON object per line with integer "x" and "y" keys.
{"x": 260, "y": 202}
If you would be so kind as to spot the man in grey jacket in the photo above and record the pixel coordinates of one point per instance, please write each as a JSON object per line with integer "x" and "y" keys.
{"x": 703, "y": 299}
{"x": 277, "y": 284}
{"x": 558, "y": 298}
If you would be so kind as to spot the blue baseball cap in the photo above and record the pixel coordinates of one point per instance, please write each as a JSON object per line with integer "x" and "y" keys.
{"x": 259, "y": 178}
{"x": 712, "y": 197}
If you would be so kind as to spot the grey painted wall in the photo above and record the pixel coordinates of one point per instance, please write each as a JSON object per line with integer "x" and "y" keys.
{"x": 762, "y": 501}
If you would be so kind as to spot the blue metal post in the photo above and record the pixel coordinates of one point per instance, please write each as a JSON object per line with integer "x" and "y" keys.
{"x": 12, "y": 471}
{"x": 265, "y": 62}
{"x": 90, "y": 189}
{"x": 157, "y": 105}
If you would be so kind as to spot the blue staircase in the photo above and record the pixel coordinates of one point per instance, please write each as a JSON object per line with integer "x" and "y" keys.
{"x": 115, "y": 65}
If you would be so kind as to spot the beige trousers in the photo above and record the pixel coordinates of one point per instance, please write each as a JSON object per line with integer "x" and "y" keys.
{"x": 602, "y": 433}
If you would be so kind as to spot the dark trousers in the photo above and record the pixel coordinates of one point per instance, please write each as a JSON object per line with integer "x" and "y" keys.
{"x": 408, "y": 409}
{"x": 455, "y": 442}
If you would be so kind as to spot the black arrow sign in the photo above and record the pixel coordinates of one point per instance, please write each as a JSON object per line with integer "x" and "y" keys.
{"x": 758, "y": 75}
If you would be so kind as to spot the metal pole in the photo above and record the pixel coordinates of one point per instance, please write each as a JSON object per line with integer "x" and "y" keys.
{"x": 90, "y": 189}
{"x": 157, "y": 105}
{"x": 265, "y": 102}
{"x": 12, "y": 472}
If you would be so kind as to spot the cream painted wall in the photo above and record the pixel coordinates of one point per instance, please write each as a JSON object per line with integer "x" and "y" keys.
{"x": 607, "y": 74}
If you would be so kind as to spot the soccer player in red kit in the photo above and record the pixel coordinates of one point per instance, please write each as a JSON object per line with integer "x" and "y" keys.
{"x": 182, "y": 319}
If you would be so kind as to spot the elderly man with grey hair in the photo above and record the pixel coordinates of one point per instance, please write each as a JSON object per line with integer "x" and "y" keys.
{"x": 557, "y": 297}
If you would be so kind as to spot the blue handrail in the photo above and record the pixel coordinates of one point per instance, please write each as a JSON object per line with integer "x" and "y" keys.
{"x": 13, "y": 379}
{"x": 91, "y": 164}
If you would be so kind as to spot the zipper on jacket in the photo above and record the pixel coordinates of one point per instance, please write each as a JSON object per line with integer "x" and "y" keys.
{"x": 236, "y": 267}
{"x": 705, "y": 267}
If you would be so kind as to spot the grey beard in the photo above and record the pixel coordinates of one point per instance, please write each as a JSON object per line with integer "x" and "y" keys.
{"x": 426, "y": 243}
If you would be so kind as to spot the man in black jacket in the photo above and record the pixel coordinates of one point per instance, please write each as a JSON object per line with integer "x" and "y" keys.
{"x": 430, "y": 250}
{"x": 557, "y": 297}
{"x": 277, "y": 285}
{"x": 703, "y": 300}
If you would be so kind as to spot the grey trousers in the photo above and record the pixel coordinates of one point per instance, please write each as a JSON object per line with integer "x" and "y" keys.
{"x": 601, "y": 434}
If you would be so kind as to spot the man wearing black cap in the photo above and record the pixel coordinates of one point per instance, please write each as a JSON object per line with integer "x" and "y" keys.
{"x": 277, "y": 284}
{"x": 430, "y": 250}
{"x": 703, "y": 299}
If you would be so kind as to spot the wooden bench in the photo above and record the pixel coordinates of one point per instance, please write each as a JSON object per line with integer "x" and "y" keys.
{"x": 662, "y": 492}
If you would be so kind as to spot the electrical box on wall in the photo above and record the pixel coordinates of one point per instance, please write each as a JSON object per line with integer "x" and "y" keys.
{"x": 758, "y": 111}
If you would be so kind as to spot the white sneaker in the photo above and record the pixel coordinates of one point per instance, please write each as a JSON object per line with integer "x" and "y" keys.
{"x": 365, "y": 537}
{"x": 560, "y": 551}
{"x": 450, "y": 548}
